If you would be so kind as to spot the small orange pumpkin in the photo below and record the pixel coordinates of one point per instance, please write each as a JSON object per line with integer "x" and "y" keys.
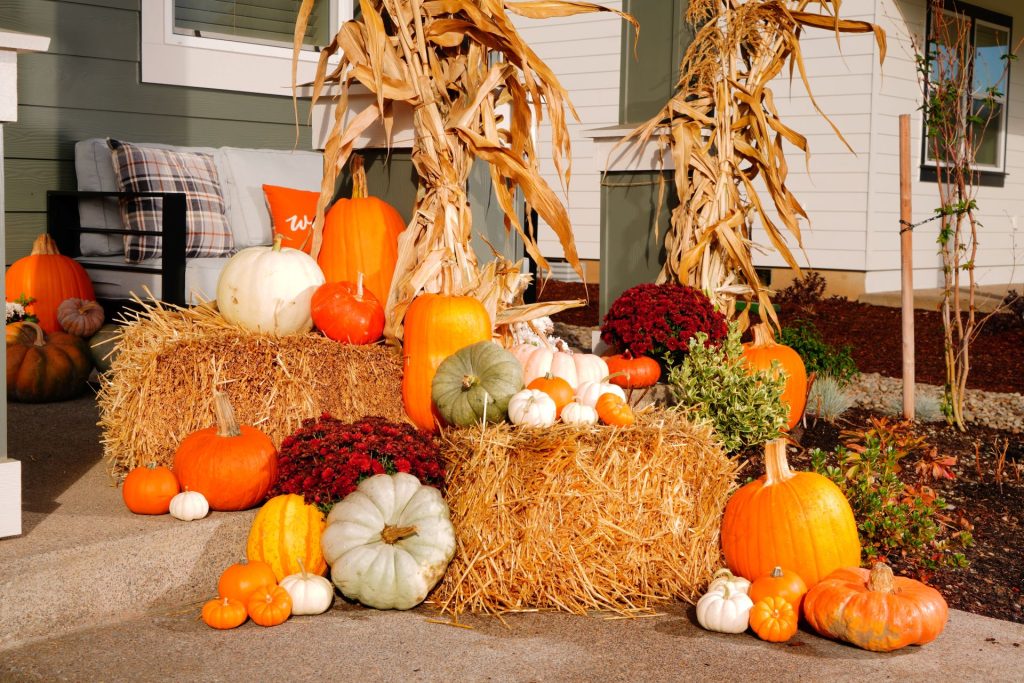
{"x": 80, "y": 317}
{"x": 781, "y": 582}
{"x": 612, "y": 410}
{"x": 759, "y": 355}
{"x": 224, "y": 613}
{"x": 241, "y": 579}
{"x": 347, "y": 312}
{"x": 147, "y": 490}
{"x": 875, "y": 610}
{"x": 48, "y": 277}
{"x": 269, "y": 605}
{"x": 632, "y": 372}
{"x": 560, "y": 391}
{"x": 773, "y": 619}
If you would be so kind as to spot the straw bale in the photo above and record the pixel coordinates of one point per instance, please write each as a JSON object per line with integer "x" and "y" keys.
{"x": 160, "y": 387}
{"x": 583, "y": 518}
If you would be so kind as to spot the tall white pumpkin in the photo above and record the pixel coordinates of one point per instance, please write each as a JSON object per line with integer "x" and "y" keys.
{"x": 269, "y": 289}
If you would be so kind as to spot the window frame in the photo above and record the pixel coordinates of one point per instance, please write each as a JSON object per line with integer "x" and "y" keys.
{"x": 221, "y": 63}
{"x": 985, "y": 174}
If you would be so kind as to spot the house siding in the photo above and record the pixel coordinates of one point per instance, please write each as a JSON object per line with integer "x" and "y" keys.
{"x": 87, "y": 85}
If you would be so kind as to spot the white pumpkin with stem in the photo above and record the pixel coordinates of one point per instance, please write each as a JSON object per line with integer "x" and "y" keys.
{"x": 532, "y": 408}
{"x": 269, "y": 289}
{"x": 389, "y": 541}
{"x": 588, "y": 392}
{"x": 725, "y": 610}
{"x": 576, "y": 413}
{"x": 189, "y": 506}
{"x": 310, "y": 594}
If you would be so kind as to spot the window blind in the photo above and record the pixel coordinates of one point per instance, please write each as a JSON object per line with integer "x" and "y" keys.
{"x": 268, "y": 22}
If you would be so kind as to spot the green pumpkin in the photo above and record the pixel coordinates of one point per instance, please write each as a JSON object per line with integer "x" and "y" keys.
{"x": 102, "y": 343}
{"x": 478, "y": 373}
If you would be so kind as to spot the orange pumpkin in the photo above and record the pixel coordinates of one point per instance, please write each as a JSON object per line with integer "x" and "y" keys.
{"x": 781, "y": 582}
{"x": 232, "y": 466}
{"x": 799, "y": 520}
{"x": 148, "y": 490}
{"x": 48, "y": 277}
{"x": 612, "y": 410}
{"x": 560, "y": 391}
{"x": 269, "y": 605}
{"x": 45, "y": 367}
{"x": 760, "y": 353}
{"x": 240, "y": 580}
{"x": 347, "y": 312}
{"x": 773, "y": 619}
{"x": 632, "y": 372}
{"x": 875, "y": 610}
{"x": 436, "y": 326}
{"x": 360, "y": 235}
{"x": 224, "y": 613}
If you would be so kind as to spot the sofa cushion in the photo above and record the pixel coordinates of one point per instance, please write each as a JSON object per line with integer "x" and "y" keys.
{"x": 243, "y": 174}
{"x": 147, "y": 169}
{"x": 292, "y": 213}
{"x": 201, "y": 275}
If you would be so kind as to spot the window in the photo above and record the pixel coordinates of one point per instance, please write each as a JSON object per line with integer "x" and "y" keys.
{"x": 243, "y": 45}
{"x": 968, "y": 68}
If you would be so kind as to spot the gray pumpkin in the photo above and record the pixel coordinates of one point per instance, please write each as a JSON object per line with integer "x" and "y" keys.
{"x": 478, "y": 373}
{"x": 103, "y": 346}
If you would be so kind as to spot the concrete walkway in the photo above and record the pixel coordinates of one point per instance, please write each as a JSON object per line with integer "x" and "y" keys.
{"x": 94, "y": 593}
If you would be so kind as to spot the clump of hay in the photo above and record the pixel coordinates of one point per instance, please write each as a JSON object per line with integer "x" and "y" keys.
{"x": 160, "y": 387}
{"x": 580, "y": 519}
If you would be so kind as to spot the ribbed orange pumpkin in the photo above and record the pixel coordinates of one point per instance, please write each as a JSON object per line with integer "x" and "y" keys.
{"x": 799, "y": 520}
{"x": 361, "y": 236}
{"x": 232, "y": 466}
{"x": 45, "y": 367}
{"x": 436, "y": 326}
{"x": 875, "y": 610}
{"x": 286, "y": 535}
{"x": 762, "y": 351}
{"x": 48, "y": 277}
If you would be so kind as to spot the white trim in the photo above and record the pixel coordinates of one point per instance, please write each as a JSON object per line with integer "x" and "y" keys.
{"x": 174, "y": 59}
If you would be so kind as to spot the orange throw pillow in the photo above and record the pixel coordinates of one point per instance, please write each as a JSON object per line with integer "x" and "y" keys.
{"x": 292, "y": 213}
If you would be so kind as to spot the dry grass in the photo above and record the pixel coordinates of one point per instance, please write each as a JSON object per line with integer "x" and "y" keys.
{"x": 580, "y": 519}
{"x": 160, "y": 388}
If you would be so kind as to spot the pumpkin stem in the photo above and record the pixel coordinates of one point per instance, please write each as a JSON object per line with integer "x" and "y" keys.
{"x": 881, "y": 580}
{"x": 775, "y": 464}
{"x": 393, "y": 534}
{"x": 40, "y": 339}
{"x": 278, "y": 237}
{"x": 302, "y": 568}
{"x": 359, "y": 186}
{"x": 777, "y": 573}
{"x": 44, "y": 246}
{"x": 359, "y": 285}
{"x": 468, "y": 381}
{"x": 763, "y": 335}
{"x": 227, "y": 423}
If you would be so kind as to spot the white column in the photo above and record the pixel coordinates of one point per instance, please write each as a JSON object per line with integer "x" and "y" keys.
{"x": 11, "y": 43}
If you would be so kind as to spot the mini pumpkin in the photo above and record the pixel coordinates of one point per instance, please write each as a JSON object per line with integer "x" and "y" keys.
{"x": 725, "y": 610}
{"x": 476, "y": 381}
{"x": 781, "y": 582}
{"x": 310, "y": 593}
{"x": 269, "y": 605}
{"x": 224, "y": 613}
{"x": 773, "y": 619}
{"x": 80, "y": 317}
{"x": 588, "y": 392}
{"x": 242, "y": 578}
{"x": 532, "y": 408}
{"x": 149, "y": 489}
{"x": 189, "y": 506}
{"x": 579, "y": 414}
{"x": 560, "y": 391}
{"x": 614, "y": 411}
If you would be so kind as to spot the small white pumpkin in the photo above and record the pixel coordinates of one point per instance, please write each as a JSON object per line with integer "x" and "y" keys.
{"x": 725, "y": 610}
{"x": 310, "y": 594}
{"x": 578, "y": 414}
{"x": 189, "y": 505}
{"x": 532, "y": 408}
{"x": 574, "y": 368}
{"x": 389, "y": 541}
{"x": 723, "y": 577}
{"x": 588, "y": 392}
{"x": 269, "y": 289}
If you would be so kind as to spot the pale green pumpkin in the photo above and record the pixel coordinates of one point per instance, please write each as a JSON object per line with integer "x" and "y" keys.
{"x": 478, "y": 377}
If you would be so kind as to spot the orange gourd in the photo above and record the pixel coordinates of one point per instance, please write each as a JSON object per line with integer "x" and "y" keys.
{"x": 612, "y": 410}
{"x": 875, "y": 610}
{"x": 781, "y": 582}
{"x": 269, "y": 605}
{"x": 436, "y": 326}
{"x": 560, "y": 391}
{"x": 760, "y": 353}
{"x": 147, "y": 490}
{"x": 360, "y": 235}
{"x": 773, "y": 619}
{"x": 632, "y": 372}
{"x": 48, "y": 277}
{"x": 240, "y": 580}
{"x": 798, "y": 520}
{"x": 232, "y": 466}
{"x": 224, "y": 613}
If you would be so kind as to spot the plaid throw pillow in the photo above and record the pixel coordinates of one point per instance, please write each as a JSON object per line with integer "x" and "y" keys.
{"x": 148, "y": 169}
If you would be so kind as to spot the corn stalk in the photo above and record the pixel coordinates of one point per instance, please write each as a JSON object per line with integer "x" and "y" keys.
{"x": 458, "y": 64}
{"x": 725, "y": 137}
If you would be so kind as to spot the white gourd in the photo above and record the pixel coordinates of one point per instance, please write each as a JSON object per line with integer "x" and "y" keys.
{"x": 389, "y": 541}
{"x": 189, "y": 505}
{"x": 588, "y": 392}
{"x": 725, "y": 610}
{"x": 724, "y": 577}
{"x": 310, "y": 594}
{"x": 532, "y": 408}
{"x": 269, "y": 289}
{"x": 578, "y": 414}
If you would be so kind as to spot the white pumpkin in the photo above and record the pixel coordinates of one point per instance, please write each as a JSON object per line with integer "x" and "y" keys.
{"x": 725, "y": 609}
{"x": 723, "y": 577}
{"x": 578, "y": 414}
{"x": 269, "y": 289}
{"x": 532, "y": 408}
{"x": 310, "y": 594}
{"x": 189, "y": 505}
{"x": 574, "y": 368}
{"x": 588, "y": 392}
{"x": 389, "y": 541}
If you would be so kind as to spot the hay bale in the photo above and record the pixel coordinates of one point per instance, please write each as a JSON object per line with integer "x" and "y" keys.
{"x": 161, "y": 383}
{"x": 580, "y": 519}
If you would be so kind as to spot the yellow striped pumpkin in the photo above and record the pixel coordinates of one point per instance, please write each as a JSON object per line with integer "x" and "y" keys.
{"x": 285, "y": 531}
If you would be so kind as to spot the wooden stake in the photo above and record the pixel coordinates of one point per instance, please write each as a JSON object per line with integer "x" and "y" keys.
{"x": 906, "y": 269}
